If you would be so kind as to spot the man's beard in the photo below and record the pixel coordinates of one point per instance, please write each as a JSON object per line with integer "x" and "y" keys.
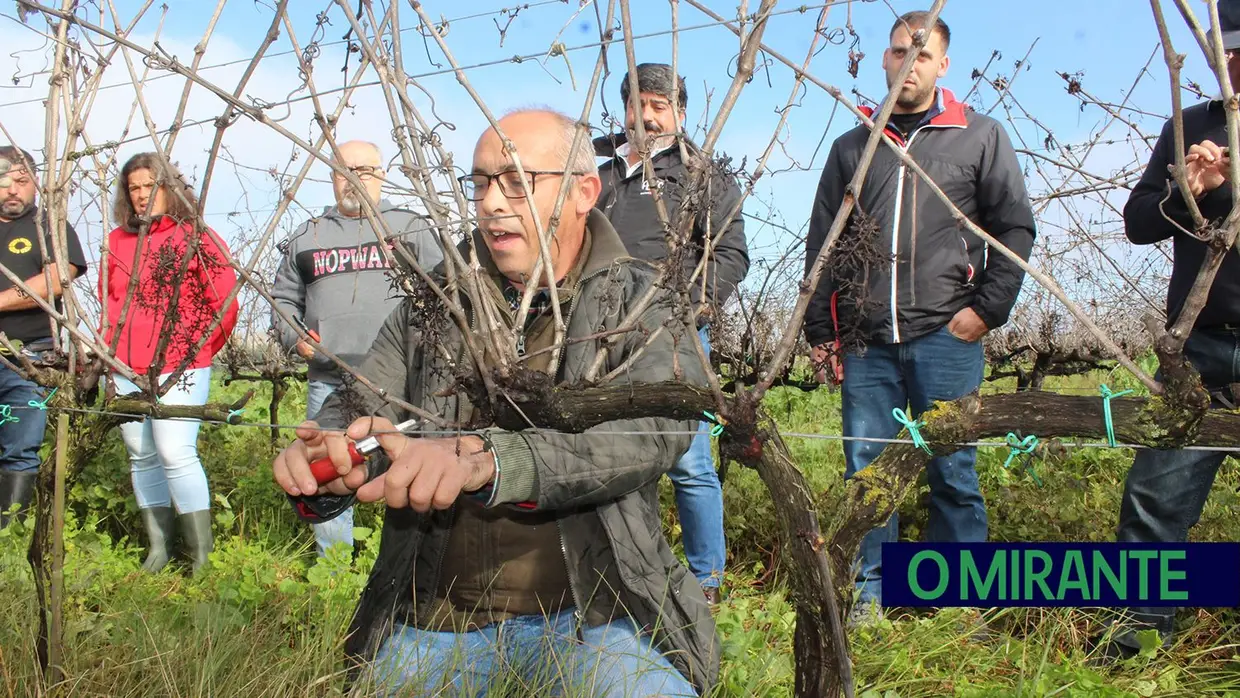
{"x": 15, "y": 208}
{"x": 914, "y": 100}
{"x": 350, "y": 204}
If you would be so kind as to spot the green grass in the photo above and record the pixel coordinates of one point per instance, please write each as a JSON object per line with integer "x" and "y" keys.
{"x": 269, "y": 619}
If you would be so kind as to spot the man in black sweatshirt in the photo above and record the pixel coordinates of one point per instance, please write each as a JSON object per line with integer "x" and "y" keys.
{"x": 627, "y": 201}
{"x": 1166, "y": 490}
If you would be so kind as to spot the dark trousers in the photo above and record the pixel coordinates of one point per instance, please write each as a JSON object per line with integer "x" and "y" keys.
{"x": 1166, "y": 490}
{"x": 21, "y": 435}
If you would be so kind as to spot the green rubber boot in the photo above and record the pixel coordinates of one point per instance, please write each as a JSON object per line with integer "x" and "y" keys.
{"x": 160, "y": 523}
{"x": 196, "y": 533}
{"x": 16, "y": 488}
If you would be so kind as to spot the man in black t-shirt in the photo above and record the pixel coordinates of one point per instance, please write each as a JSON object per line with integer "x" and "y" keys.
{"x": 22, "y": 320}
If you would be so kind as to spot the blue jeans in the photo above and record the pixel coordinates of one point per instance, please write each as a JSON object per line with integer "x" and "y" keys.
{"x": 339, "y": 529}
{"x": 609, "y": 661}
{"x": 163, "y": 453}
{"x": 1165, "y": 491}
{"x": 699, "y": 501}
{"x": 913, "y": 374}
{"x": 20, "y": 440}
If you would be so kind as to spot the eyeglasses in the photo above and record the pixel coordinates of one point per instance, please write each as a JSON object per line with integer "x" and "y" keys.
{"x": 363, "y": 172}
{"x": 475, "y": 185}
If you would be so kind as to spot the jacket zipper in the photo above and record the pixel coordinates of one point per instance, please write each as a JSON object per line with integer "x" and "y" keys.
{"x": 895, "y": 241}
{"x": 895, "y": 228}
{"x": 579, "y": 611}
{"x": 912, "y": 250}
{"x": 443, "y": 552}
{"x": 969, "y": 270}
{"x": 579, "y": 614}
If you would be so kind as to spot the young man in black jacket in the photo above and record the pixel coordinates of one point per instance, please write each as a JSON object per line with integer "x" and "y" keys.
{"x": 920, "y": 312}
{"x": 1166, "y": 490}
{"x": 629, "y": 205}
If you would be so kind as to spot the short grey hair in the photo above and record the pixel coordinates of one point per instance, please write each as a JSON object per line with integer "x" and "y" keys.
{"x": 582, "y": 160}
{"x": 658, "y": 79}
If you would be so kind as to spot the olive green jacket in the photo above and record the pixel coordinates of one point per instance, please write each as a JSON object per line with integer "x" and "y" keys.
{"x": 603, "y": 482}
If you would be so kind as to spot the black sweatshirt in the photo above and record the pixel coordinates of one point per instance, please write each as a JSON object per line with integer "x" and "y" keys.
{"x": 628, "y": 204}
{"x": 1145, "y": 219}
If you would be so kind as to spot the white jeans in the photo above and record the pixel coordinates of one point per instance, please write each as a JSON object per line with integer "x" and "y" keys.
{"x": 163, "y": 453}
{"x": 339, "y": 529}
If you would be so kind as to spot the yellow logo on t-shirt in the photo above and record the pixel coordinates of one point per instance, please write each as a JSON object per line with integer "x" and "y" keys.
{"x": 20, "y": 246}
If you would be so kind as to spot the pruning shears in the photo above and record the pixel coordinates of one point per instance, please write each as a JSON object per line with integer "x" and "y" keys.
{"x": 323, "y": 469}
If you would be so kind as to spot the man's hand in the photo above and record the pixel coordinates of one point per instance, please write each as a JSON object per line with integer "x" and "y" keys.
{"x": 303, "y": 348}
{"x": 967, "y": 326}
{"x": 1206, "y": 167}
{"x": 826, "y": 362}
{"x": 14, "y": 299}
{"x": 425, "y": 473}
{"x": 291, "y": 468}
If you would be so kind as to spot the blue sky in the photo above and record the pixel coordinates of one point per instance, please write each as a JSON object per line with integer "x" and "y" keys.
{"x": 1106, "y": 41}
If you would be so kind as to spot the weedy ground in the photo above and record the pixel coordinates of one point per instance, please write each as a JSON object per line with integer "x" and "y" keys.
{"x": 269, "y": 618}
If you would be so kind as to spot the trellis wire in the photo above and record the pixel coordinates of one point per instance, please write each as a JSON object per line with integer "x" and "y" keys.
{"x": 787, "y": 435}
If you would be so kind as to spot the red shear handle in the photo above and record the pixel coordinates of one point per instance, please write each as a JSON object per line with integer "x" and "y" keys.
{"x": 323, "y": 470}
{"x": 835, "y": 322}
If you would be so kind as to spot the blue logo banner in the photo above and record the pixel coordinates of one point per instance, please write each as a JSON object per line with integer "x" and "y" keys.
{"x": 1061, "y": 574}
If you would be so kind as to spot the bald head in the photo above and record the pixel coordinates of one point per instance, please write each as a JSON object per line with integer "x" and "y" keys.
{"x": 543, "y": 139}
{"x": 364, "y": 160}
{"x": 353, "y": 153}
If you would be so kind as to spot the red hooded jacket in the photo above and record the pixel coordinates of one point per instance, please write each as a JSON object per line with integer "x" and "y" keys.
{"x": 206, "y": 284}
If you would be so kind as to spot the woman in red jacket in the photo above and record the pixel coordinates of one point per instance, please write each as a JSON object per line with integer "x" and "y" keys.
{"x": 159, "y": 330}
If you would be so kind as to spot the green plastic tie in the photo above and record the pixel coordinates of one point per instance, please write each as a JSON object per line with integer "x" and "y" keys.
{"x": 914, "y": 429}
{"x": 1026, "y": 447}
{"x": 1034, "y": 474}
{"x": 1019, "y": 447}
{"x": 233, "y": 415}
{"x": 718, "y": 422}
{"x": 6, "y": 415}
{"x": 1107, "y": 396}
{"x": 42, "y": 404}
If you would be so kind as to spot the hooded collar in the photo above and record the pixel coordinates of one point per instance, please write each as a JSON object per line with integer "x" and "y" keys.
{"x": 945, "y": 112}
{"x": 612, "y": 145}
{"x": 622, "y": 155}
